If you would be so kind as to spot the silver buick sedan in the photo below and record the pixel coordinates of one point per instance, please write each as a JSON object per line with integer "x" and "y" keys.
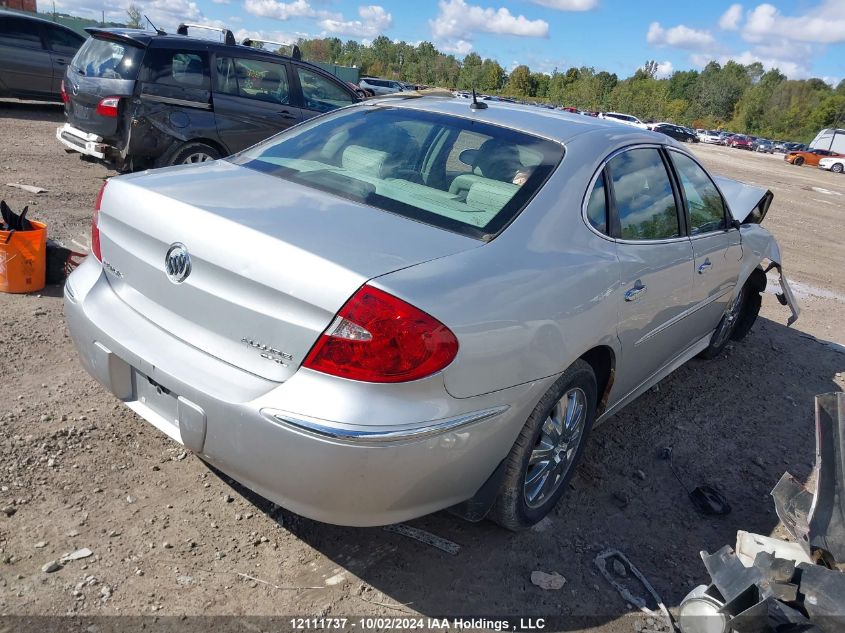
{"x": 415, "y": 303}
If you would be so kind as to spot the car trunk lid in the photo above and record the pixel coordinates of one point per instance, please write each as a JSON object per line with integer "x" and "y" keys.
{"x": 271, "y": 261}
{"x": 105, "y": 66}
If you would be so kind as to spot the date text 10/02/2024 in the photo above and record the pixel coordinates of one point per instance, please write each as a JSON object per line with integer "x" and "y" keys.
{"x": 416, "y": 623}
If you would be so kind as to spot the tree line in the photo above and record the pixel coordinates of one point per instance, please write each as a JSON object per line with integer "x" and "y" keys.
{"x": 733, "y": 96}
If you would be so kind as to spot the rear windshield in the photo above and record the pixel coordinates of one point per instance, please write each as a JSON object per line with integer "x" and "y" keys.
{"x": 107, "y": 59}
{"x": 458, "y": 174}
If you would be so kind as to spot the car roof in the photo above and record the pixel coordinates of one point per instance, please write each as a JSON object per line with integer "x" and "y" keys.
{"x": 33, "y": 18}
{"x": 556, "y": 125}
{"x": 150, "y": 38}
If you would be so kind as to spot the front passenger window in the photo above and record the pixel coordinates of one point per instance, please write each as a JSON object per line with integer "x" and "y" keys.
{"x": 319, "y": 93}
{"x": 642, "y": 191}
{"x": 706, "y": 209}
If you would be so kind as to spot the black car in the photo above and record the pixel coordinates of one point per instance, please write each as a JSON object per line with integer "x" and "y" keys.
{"x": 676, "y": 132}
{"x": 33, "y": 56}
{"x": 141, "y": 99}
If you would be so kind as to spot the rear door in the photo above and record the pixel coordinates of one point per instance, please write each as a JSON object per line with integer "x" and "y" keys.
{"x": 101, "y": 68}
{"x": 253, "y": 100}
{"x": 321, "y": 93}
{"x": 62, "y": 44}
{"x": 26, "y": 69}
{"x": 656, "y": 260}
{"x": 716, "y": 246}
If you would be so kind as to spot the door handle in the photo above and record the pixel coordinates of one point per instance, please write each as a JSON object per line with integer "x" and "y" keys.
{"x": 705, "y": 266}
{"x": 286, "y": 114}
{"x": 632, "y": 294}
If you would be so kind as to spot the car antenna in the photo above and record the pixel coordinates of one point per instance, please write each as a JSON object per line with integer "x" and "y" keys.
{"x": 155, "y": 28}
{"x": 476, "y": 104}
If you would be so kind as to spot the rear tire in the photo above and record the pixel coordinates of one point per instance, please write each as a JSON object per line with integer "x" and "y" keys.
{"x": 194, "y": 153}
{"x": 566, "y": 411}
{"x": 836, "y": 168}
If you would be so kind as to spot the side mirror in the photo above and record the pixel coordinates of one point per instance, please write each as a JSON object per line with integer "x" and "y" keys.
{"x": 736, "y": 224}
{"x": 468, "y": 157}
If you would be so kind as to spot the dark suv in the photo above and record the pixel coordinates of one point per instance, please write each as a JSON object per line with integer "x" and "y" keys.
{"x": 140, "y": 99}
{"x": 33, "y": 56}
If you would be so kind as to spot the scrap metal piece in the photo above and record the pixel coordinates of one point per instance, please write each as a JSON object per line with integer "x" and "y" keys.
{"x": 823, "y": 591}
{"x": 606, "y": 559}
{"x": 701, "y": 612}
{"x": 730, "y": 576}
{"x": 425, "y": 537}
{"x": 827, "y": 516}
{"x": 817, "y": 518}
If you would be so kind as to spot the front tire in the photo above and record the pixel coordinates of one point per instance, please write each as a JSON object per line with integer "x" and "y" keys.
{"x": 740, "y": 315}
{"x": 543, "y": 458}
{"x": 798, "y": 161}
{"x": 836, "y": 168}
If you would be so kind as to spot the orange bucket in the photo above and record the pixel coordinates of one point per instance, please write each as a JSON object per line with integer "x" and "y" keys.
{"x": 23, "y": 259}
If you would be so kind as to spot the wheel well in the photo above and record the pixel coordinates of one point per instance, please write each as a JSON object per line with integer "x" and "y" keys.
{"x": 603, "y": 361}
{"x": 757, "y": 279}
{"x": 223, "y": 151}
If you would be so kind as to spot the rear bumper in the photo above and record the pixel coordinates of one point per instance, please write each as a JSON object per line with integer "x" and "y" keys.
{"x": 82, "y": 142}
{"x": 388, "y": 453}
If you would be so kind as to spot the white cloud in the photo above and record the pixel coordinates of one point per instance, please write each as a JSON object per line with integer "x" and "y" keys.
{"x": 680, "y": 36}
{"x": 374, "y": 21}
{"x": 221, "y": 1}
{"x": 824, "y": 24}
{"x": 664, "y": 69}
{"x": 568, "y": 5}
{"x": 458, "y": 47}
{"x": 166, "y": 14}
{"x": 731, "y": 18}
{"x": 280, "y": 10}
{"x": 459, "y": 20}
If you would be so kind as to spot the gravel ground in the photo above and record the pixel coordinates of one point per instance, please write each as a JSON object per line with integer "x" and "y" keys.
{"x": 168, "y": 536}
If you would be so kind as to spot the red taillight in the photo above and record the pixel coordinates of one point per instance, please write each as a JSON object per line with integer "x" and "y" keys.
{"x": 108, "y": 106}
{"x": 379, "y": 338}
{"x": 65, "y": 95}
{"x": 95, "y": 225}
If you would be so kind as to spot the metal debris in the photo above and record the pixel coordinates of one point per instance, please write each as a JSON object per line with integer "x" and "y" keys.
{"x": 428, "y": 538}
{"x": 29, "y": 188}
{"x": 553, "y": 581}
{"x": 652, "y": 605}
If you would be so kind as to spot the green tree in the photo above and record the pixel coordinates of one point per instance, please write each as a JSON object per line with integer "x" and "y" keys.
{"x": 134, "y": 16}
{"x": 519, "y": 82}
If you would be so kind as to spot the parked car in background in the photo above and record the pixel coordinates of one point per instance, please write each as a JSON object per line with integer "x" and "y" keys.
{"x": 809, "y": 156}
{"x": 836, "y": 164}
{"x": 381, "y": 86}
{"x": 710, "y": 136}
{"x": 676, "y": 132}
{"x": 739, "y": 141}
{"x": 764, "y": 146}
{"x": 780, "y": 146}
{"x": 33, "y": 56}
{"x": 138, "y": 99}
{"x": 794, "y": 147}
{"x": 627, "y": 119}
{"x": 290, "y": 314}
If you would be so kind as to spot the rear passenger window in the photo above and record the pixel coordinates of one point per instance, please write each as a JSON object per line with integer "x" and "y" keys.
{"x": 18, "y": 32}
{"x": 706, "y": 209}
{"x": 62, "y": 41}
{"x": 253, "y": 79}
{"x": 597, "y": 206}
{"x": 178, "y": 68}
{"x": 643, "y": 195}
{"x": 319, "y": 93}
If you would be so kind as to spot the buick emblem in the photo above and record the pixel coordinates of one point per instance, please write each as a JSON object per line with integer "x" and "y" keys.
{"x": 177, "y": 263}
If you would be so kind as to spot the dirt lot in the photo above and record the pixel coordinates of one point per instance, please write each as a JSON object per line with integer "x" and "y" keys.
{"x": 170, "y": 537}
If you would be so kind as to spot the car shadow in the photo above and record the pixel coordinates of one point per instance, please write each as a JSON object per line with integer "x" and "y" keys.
{"x": 736, "y": 422}
{"x": 31, "y": 110}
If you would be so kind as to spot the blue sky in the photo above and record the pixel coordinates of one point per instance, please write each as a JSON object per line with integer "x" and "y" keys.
{"x": 804, "y": 38}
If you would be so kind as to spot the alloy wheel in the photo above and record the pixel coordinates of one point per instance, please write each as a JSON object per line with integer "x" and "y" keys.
{"x": 196, "y": 157}
{"x": 556, "y": 447}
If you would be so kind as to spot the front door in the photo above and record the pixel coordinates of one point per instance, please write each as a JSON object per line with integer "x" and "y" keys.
{"x": 26, "y": 69}
{"x": 716, "y": 245}
{"x": 252, "y": 101}
{"x": 656, "y": 263}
